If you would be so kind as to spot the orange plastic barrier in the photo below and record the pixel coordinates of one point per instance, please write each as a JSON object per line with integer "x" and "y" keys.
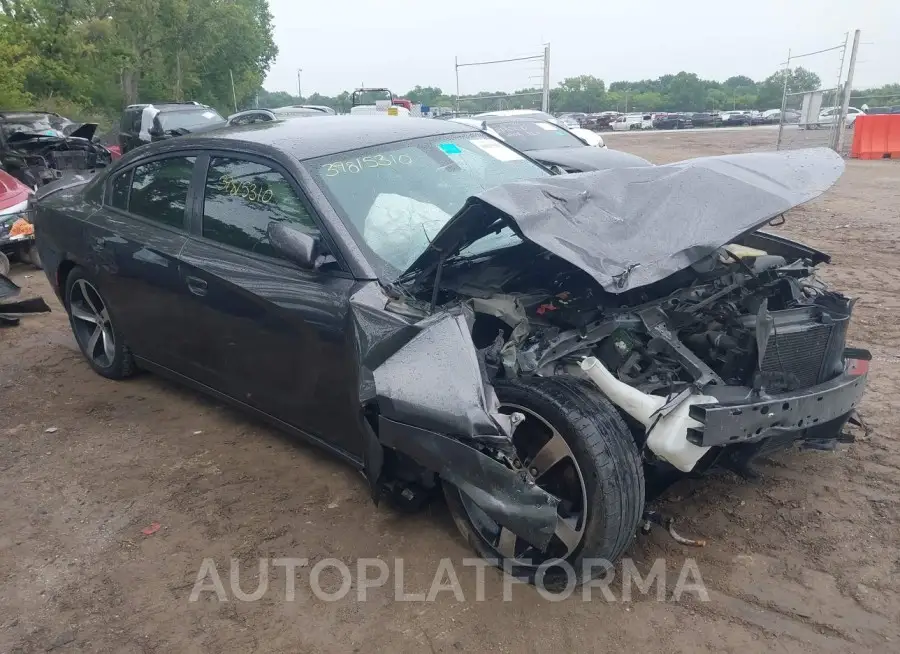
{"x": 876, "y": 137}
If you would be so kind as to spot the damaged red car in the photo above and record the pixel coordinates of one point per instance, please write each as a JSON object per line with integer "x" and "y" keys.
{"x": 442, "y": 312}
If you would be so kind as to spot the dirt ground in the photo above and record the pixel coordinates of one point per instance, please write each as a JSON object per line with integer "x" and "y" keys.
{"x": 804, "y": 559}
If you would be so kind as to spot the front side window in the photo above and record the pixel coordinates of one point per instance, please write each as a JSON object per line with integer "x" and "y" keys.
{"x": 242, "y": 198}
{"x": 159, "y": 190}
{"x": 396, "y": 197}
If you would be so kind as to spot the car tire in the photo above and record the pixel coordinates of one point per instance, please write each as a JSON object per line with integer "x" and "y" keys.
{"x": 602, "y": 452}
{"x": 94, "y": 327}
{"x": 4, "y": 264}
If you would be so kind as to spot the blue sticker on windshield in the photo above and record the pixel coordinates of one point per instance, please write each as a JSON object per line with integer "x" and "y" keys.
{"x": 449, "y": 148}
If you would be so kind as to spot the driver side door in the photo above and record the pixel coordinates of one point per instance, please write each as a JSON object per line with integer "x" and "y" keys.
{"x": 266, "y": 332}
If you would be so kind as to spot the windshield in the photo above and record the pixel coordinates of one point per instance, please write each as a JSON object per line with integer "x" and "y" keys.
{"x": 190, "y": 119}
{"x": 535, "y": 135}
{"x": 395, "y": 198}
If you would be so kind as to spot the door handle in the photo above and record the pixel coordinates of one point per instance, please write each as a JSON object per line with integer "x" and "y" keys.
{"x": 196, "y": 285}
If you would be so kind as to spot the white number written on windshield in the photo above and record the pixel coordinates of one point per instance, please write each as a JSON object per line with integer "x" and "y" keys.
{"x": 365, "y": 163}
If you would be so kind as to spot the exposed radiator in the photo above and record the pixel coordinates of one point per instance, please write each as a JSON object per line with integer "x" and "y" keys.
{"x": 798, "y": 352}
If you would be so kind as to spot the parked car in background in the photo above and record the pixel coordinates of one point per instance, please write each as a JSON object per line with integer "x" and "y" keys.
{"x": 632, "y": 121}
{"x": 872, "y": 111}
{"x": 148, "y": 123}
{"x": 16, "y": 230}
{"x": 732, "y": 118}
{"x": 588, "y": 136}
{"x": 600, "y": 121}
{"x": 571, "y": 120}
{"x": 552, "y": 145}
{"x": 251, "y": 116}
{"x": 672, "y": 121}
{"x": 828, "y": 115}
{"x": 702, "y": 118}
{"x": 773, "y": 116}
{"x": 37, "y": 147}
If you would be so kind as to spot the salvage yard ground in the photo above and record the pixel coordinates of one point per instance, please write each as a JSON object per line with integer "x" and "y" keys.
{"x": 804, "y": 559}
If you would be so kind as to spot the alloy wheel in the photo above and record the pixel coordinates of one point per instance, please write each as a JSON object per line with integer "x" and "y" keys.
{"x": 549, "y": 460}
{"x": 91, "y": 324}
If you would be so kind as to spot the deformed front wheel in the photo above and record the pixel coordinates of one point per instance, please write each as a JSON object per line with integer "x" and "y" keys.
{"x": 578, "y": 448}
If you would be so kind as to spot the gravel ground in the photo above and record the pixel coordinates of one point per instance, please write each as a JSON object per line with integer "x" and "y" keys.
{"x": 803, "y": 559}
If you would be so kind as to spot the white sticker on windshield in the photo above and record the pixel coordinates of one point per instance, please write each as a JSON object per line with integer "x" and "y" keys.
{"x": 547, "y": 126}
{"x": 208, "y": 114}
{"x": 496, "y": 149}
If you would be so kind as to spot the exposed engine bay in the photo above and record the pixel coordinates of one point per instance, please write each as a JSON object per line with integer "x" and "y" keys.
{"x": 739, "y": 326}
{"x": 38, "y": 159}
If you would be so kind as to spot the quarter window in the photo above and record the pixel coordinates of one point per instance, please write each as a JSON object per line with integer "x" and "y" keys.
{"x": 159, "y": 190}
{"x": 242, "y": 198}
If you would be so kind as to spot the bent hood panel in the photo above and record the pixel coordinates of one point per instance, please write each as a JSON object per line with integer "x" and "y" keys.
{"x": 629, "y": 227}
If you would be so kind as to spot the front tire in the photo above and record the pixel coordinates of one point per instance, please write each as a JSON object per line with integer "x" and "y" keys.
{"x": 93, "y": 325}
{"x": 594, "y": 468}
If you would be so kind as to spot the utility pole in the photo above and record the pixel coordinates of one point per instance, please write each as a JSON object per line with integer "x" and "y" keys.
{"x": 545, "y": 99}
{"x": 848, "y": 89}
{"x": 233, "y": 93}
{"x": 787, "y": 72}
{"x": 299, "y": 92}
{"x": 456, "y": 66}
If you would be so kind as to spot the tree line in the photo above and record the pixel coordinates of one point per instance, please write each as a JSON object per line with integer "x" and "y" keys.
{"x": 93, "y": 57}
{"x": 89, "y": 58}
{"x": 589, "y": 94}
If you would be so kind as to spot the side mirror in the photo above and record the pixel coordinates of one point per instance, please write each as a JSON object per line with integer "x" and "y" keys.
{"x": 294, "y": 245}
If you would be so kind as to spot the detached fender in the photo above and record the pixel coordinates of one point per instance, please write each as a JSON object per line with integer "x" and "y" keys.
{"x": 506, "y": 496}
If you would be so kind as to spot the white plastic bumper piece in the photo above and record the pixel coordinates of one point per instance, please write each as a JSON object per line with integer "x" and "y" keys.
{"x": 667, "y": 437}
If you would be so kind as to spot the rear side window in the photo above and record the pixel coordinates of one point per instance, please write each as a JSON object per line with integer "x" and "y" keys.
{"x": 242, "y": 198}
{"x": 159, "y": 190}
{"x": 121, "y": 184}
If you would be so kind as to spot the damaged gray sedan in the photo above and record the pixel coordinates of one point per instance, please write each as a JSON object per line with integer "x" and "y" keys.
{"x": 444, "y": 313}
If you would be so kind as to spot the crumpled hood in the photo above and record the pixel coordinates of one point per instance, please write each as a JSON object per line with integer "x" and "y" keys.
{"x": 629, "y": 227}
{"x": 587, "y": 158}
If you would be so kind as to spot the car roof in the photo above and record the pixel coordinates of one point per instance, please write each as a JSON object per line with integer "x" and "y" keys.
{"x": 25, "y": 114}
{"x": 318, "y": 136}
{"x": 510, "y": 112}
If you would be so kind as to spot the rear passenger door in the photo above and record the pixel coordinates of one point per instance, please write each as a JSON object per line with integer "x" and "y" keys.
{"x": 267, "y": 332}
{"x": 136, "y": 240}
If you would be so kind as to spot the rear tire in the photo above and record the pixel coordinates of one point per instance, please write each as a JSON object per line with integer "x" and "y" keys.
{"x": 93, "y": 324}
{"x": 604, "y": 455}
{"x": 4, "y": 264}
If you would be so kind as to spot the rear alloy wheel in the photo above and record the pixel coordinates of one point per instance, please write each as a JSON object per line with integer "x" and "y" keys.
{"x": 92, "y": 324}
{"x": 576, "y": 447}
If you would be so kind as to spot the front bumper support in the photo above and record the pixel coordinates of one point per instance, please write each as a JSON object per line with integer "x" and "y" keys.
{"x": 728, "y": 424}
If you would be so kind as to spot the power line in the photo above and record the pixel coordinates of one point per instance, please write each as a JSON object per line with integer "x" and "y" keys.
{"x": 499, "y": 61}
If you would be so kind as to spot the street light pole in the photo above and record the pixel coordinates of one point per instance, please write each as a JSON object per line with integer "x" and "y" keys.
{"x": 299, "y": 92}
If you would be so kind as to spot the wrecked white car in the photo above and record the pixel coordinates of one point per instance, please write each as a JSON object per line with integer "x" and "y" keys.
{"x": 442, "y": 312}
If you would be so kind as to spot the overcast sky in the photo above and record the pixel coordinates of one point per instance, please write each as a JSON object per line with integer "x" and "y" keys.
{"x": 400, "y": 43}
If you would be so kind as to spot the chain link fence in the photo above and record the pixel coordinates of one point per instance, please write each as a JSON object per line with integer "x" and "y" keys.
{"x": 818, "y": 118}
